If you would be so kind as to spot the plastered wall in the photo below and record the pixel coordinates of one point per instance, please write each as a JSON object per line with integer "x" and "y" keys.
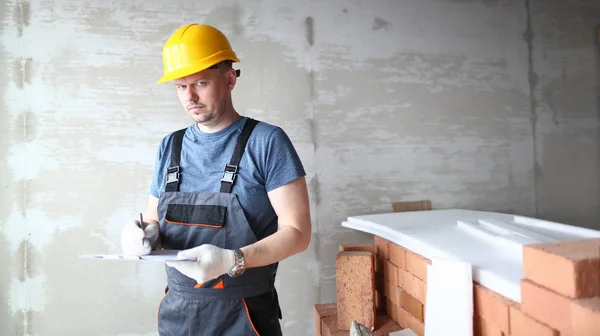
{"x": 489, "y": 105}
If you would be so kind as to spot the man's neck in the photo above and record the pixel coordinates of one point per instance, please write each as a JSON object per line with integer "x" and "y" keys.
{"x": 229, "y": 118}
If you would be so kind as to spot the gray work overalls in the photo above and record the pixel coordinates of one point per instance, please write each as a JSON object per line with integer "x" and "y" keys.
{"x": 189, "y": 219}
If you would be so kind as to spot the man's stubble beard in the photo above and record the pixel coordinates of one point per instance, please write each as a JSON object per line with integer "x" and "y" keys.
{"x": 211, "y": 117}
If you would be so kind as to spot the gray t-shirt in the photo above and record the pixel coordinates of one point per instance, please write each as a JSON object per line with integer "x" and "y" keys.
{"x": 269, "y": 161}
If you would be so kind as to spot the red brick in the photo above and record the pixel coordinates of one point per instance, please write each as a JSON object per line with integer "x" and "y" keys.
{"x": 393, "y": 293}
{"x": 397, "y": 255}
{"x": 321, "y": 311}
{"x": 392, "y": 310}
{"x": 402, "y": 274}
{"x": 409, "y": 321}
{"x": 569, "y": 268}
{"x": 361, "y": 248}
{"x": 417, "y": 265}
{"x": 389, "y": 308}
{"x": 586, "y": 317}
{"x": 413, "y": 285}
{"x": 355, "y": 289}
{"x": 411, "y": 206}
{"x": 329, "y": 327}
{"x": 493, "y": 307}
{"x": 357, "y": 247}
{"x": 396, "y": 314}
{"x": 522, "y": 324}
{"x": 390, "y": 272}
{"x": 399, "y": 291}
{"x": 412, "y": 305}
{"x": 382, "y": 247}
{"x": 385, "y": 325}
{"x": 483, "y": 327}
{"x": 546, "y": 306}
{"x": 402, "y": 316}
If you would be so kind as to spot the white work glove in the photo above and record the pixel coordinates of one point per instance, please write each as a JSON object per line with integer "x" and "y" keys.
{"x": 210, "y": 262}
{"x": 137, "y": 242}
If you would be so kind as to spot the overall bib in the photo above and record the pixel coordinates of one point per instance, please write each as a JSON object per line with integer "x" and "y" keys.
{"x": 188, "y": 219}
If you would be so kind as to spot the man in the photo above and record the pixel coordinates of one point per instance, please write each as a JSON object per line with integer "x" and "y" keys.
{"x": 229, "y": 192}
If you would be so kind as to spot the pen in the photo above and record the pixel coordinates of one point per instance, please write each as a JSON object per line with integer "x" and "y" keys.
{"x": 141, "y": 221}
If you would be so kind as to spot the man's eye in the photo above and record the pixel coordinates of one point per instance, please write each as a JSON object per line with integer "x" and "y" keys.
{"x": 181, "y": 87}
{"x": 201, "y": 83}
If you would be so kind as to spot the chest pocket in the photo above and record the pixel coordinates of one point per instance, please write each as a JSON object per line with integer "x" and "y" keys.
{"x": 213, "y": 216}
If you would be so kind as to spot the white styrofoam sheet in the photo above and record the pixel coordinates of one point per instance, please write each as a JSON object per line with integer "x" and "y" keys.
{"x": 403, "y": 332}
{"x": 449, "y": 283}
{"x": 490, "y": 241}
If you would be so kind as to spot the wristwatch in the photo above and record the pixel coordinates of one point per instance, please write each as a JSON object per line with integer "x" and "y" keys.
{"x": 238, "y": 266}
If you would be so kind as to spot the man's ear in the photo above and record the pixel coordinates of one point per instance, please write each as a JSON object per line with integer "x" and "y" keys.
{"x": 231, "y": 78}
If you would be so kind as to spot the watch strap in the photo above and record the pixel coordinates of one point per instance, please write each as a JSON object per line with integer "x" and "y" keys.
{"x": 238, "y": 263}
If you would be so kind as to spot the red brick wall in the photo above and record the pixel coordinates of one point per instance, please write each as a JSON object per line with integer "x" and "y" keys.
{"x": 567, "y": 307}
{"x": 356, "y": 297}
{"x": 403, "y": 290}
{"x": 560, "y": 291}
{"x": 561, "y": 286}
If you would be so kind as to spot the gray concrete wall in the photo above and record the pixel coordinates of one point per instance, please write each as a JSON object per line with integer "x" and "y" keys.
{"x": 565, "y": 83}
{"x": 489, "y": 105}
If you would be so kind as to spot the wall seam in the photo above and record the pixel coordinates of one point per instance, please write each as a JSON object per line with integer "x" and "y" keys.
{"x": 22, "y": 7}
{"x": 310, "y": 34}
{"x": 532, "y": 81}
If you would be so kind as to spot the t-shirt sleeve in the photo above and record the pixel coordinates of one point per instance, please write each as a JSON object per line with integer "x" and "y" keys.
{"x": 157, "y": 182}
{"x": 282, "y": 164}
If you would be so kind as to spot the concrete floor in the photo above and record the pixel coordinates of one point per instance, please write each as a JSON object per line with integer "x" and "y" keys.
{"x": 488, "y": 105}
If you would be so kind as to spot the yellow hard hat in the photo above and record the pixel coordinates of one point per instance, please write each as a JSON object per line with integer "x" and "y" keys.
{"x": 193, "y": 48}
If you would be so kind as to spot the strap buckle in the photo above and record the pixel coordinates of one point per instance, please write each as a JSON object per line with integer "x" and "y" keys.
{"x": 173, "y": 174}
{"x": 230, "y": 173}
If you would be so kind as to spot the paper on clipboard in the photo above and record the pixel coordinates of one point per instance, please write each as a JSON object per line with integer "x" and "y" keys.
{"x": 159, "y": 255}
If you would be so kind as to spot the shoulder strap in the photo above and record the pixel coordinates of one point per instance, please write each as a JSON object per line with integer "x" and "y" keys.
{"x": 173, "y": 174}
{"x": 231, "y": 169}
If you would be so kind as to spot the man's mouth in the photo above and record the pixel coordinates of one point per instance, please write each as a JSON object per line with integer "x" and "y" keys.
{"x": 195, "y": 108}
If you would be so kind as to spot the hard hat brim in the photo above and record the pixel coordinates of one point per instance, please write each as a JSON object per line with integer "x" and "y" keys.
{"x": 195, "y": 68}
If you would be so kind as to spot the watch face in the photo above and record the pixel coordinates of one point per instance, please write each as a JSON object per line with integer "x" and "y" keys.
{"x": 238, "y": 272}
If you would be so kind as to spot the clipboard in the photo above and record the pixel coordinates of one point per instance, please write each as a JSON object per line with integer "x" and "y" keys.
{"x": 156, "y": 256}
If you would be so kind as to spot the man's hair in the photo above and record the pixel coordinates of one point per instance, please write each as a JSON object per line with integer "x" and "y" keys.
{"x": 228, "y": 64}
{"x": 225, "y": 65}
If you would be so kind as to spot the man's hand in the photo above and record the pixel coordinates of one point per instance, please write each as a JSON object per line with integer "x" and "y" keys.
{"x": 211, "y": 262}
{"x": 135, "y": 241}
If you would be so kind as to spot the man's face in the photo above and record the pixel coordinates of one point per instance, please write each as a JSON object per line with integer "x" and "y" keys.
{"x": 205, "y": 95}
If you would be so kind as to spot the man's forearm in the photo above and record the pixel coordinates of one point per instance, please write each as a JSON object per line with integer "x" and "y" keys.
{"x": 286, "y": 242}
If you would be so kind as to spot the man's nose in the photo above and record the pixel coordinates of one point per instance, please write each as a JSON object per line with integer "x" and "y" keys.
{"x": 190, "y": 94}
